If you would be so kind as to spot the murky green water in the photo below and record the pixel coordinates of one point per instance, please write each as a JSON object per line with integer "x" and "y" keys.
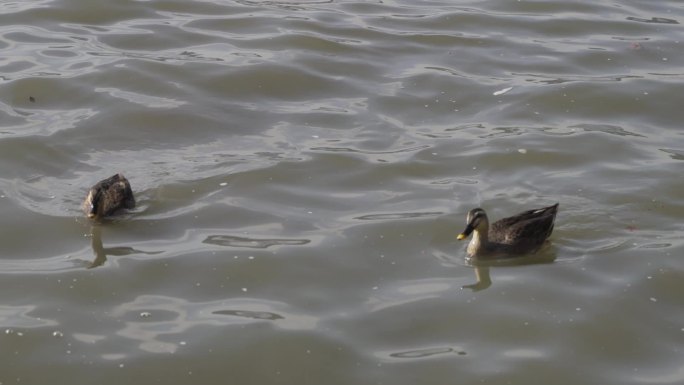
{"x": 301, "y": 170}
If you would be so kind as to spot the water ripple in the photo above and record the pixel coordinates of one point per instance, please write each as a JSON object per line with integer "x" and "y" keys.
{"x": 425, "y": 353}
{"x": 252, "y": 243}
{"x": 149, "y": 319}
{"x": 258, "y": 315}
{"x": 370, "y": 152}
{"x": 18, "y": 317}
{"x": 145, "y": 100}
{"x": 397, "y": 216}
{"x": 674, "y": 154}
{"x": 657, "y": 20}
{"x": 319, "y": 155}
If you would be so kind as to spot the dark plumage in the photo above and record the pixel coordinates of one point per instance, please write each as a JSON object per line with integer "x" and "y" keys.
{"x": 520, "y": 234}
{"x": 108, "y": 196}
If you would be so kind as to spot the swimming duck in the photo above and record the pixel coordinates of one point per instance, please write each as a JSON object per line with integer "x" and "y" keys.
{"x": 520, "y": 234}
{"x": 108, "y": 196}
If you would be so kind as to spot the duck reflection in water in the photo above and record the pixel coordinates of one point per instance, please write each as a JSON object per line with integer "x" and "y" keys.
{"x": 483, "y": 279}
{"x": 102, "y": 252}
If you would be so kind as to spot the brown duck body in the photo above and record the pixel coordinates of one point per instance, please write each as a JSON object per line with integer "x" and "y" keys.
{"x": 519, "y": 234}
{"x": 108, "y": 196}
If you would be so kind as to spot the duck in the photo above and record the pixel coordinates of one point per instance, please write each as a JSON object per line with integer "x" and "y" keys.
{"x": 108, "y": 196}
{"x": 518, "y": 235}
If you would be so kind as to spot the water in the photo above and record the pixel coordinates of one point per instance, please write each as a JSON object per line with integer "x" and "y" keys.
{"x": 301, "y": 170}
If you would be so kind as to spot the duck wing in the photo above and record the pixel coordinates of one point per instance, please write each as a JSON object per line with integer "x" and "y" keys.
{"x": 529, "y": 227}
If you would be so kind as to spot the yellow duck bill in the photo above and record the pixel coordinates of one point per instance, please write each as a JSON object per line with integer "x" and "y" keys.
{"x": 466, "y": 233}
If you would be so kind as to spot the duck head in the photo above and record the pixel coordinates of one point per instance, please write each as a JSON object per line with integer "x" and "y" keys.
{"x": 475, "y": 221}
{"x": 92, "y": 202}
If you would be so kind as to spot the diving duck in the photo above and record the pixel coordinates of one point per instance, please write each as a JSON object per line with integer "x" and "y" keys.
{"x": 520, "y": 234}
{"x": 107, "y": 196}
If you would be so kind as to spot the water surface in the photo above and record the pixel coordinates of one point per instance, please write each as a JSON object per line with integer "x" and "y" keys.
{"x": 301, "y": 170}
